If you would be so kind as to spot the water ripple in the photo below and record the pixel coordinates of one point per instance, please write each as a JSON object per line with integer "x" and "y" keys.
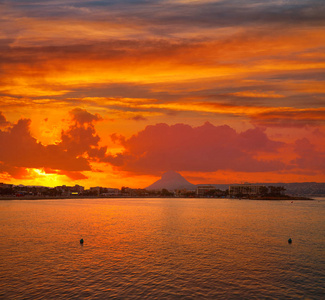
{"x": 161, "y": 249}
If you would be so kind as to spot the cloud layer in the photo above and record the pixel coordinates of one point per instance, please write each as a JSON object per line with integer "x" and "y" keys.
{"x": 137, "y": 68}
{"x": 153, "y": 150}
{"x": 210, "y": 148}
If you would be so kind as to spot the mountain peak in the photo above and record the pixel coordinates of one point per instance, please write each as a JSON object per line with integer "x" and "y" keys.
{"x": 171, "y": 175}
{"x": 171, "y": 181}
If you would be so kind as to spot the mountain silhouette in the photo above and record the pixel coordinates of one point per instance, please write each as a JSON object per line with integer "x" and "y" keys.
{"x": 171, "y": 181}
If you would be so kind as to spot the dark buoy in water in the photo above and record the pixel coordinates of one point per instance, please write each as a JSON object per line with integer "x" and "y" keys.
{"x": 290, "y": 241}
{"x": 81, "y": 241}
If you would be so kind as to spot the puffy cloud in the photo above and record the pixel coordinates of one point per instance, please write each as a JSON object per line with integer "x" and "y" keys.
{"x": 206, "y": 148}
{"x": 138, "y": 118}
{"x": 79, "y": 139}
{"x": 81, "y": 116}
{"x": 308, "y": 156}
{"x": 14, "y": 172}
{"x": 70, "y": 156}
{"x": 157, "y": 148}
{"x": 3, "y": 120}
{"x": 255, "y": 140}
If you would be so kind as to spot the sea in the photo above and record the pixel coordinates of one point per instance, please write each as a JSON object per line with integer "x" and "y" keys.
{"x": 159, "y": 248}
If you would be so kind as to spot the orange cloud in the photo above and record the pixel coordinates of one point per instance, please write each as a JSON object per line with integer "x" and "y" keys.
{"x": 227, "y": 62}
{"x": 308, "y": 156}
{"x": 256, "y": 94}
{"x": 3, "y": 120}
{"x": 213, "y": 149}
{"x": 157, "y": 148}
{"x": 288, "y": 117}
{"x": 57, "y": 70}
{"x": 69, "y": 157}
{"x": 206, "y": 149}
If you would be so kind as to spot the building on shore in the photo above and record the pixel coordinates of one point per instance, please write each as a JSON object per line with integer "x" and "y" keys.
{"x": 244, "y": 190}
{"x": 110, "y": 192}
{"x": 64, "y": 190}
{"x": 5, "y": 185}
{"x": 203, "y": 190}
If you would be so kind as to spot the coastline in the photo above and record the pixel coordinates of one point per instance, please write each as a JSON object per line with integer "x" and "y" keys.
{"x": 280, "y": 198}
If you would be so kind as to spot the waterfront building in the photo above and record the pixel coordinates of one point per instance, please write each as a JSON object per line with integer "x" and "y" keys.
{"x": 5, "y": 185}
{"x": 110, "y": 192}
{"x": 245, "y": 190}
{"x": 202, "y": 190}
{"x": 77, "y": 189}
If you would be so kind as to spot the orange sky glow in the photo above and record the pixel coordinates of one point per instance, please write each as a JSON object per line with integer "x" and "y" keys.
{"x": 115, "y": 93}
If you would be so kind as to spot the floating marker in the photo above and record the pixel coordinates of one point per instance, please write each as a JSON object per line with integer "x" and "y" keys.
{"x": 81, "y": 241}
{"x": 290, "y": 241}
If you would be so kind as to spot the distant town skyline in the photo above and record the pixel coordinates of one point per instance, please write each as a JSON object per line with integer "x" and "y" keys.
{"x": 170, "y": 182}
{"x": 113, "y": 93}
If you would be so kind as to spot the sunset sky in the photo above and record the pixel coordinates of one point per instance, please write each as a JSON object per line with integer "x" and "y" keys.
{"x": 115, "y": 93}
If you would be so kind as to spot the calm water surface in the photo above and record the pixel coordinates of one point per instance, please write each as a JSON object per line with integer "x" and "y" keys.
{"x": 162, "y": 249}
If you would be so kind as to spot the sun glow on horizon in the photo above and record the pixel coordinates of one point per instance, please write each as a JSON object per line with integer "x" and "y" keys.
{"x": 45, "y": 179}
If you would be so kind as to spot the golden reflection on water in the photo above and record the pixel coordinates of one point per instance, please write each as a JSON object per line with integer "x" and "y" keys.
{"x": 161, "y": 248}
